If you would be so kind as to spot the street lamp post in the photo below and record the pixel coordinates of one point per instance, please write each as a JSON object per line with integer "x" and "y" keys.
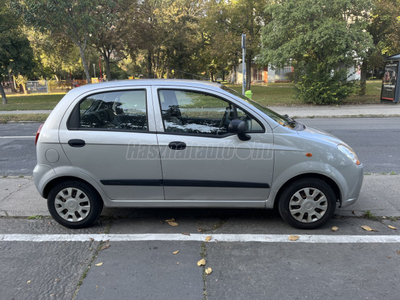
{"x": 244, "y": 63}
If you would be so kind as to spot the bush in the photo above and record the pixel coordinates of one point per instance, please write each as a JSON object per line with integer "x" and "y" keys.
{"x": 323, "y": 87}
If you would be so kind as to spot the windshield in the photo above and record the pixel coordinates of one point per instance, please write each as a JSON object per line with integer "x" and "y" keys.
{"x": 270, "y": 113}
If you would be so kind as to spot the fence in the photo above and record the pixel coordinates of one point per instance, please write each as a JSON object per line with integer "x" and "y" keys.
{"x": 39, "y": 86}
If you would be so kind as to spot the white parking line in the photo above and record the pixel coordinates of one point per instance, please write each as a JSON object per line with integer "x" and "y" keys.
{"x": 18, "y": 137}
{"x": 262, "y": 238}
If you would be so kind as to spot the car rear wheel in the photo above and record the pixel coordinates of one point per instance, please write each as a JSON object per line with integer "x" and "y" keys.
{"x": 307, "y": 203}
{"x": 74, "y": 204}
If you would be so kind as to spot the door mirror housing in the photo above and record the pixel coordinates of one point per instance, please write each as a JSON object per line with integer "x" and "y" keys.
{"x": 239, "y": 127}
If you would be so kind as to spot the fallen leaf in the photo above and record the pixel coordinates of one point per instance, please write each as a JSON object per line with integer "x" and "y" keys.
{"x": 99, "y": 264}
{"x": 201, "y": 262}
{"x": 57, "y": 280}
{"x": 293, "y": 238}
{"x": 173, "y": 223}
{"x": 170, "y": 220}
{"x": 19, "y": 185}
{"x": 185, "y": 233}
{"x": 28, "y": 281}
{"x": 199, "y": 230}
{"x": 208, "y": 238}
{"x": 177, "y": 263}
{"x": 105, "y": 247}
{"x": 398, "y": 252}
{"x": 367, "y": 228}
{"x": 175, "y": 252}
{"x": 335, "y": 228}
{"x": 392, "y": 227}
{"x": 91, "y": 239}
{"x": 208, "y": 271}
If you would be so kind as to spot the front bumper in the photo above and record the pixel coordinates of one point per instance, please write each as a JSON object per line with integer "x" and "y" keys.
{"x": 354, "y": 183}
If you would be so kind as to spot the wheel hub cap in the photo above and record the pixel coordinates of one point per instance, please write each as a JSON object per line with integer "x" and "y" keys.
{"x": 308, "y": 205}
{"x": 72, "y": 204}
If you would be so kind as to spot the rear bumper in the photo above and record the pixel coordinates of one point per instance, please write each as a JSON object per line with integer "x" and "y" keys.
{"x": 41, "y": 173}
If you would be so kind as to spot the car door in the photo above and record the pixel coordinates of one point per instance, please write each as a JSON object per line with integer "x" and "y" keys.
{"x": 108, "y": 137}
{"x": 200, "y": 159}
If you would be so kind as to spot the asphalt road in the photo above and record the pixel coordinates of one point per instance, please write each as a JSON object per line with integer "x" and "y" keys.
{"x": 375, "y": 140}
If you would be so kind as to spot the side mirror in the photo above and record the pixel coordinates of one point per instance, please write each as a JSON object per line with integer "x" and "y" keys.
{"x": 239, "y": 127}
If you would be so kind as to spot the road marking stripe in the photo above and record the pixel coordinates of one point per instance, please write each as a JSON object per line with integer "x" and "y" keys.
{"x": 262, "y": 238}
{"x": 17, "y": 137}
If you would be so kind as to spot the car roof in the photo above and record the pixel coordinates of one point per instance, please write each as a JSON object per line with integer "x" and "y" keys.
{"x": 145, "y": 82}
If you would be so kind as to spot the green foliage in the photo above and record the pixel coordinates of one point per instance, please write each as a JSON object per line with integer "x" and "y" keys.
{"x": 15, "y": 51}
{"x": 317, "y": 37}
{"x": 322, "y": 87}
{"x": 70, "y": 18}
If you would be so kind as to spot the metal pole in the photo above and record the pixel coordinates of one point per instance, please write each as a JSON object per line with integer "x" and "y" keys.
{"x": 94, "y": 70}
{"x": 244, "y": 63}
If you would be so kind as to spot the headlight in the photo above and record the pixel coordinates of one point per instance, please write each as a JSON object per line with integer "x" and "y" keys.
{"x": 349, "y": 153}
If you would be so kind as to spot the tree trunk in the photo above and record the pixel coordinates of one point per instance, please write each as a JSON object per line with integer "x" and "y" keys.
{"x": 85, "y": 66}
{"x": 10, "y": 80}
{"x": 24, "y": 88}
{"x": 149, "y": 64}
{"x": 108, "y": 71}
{"x": 3, "y": 94}
{"x": 363, "y": 79}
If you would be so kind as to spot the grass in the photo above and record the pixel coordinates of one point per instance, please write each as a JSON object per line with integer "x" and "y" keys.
{"x": 23, "y": 118}
{"x": 369, "y": 215}
{"x": 271, "y": 94}
{"x": 31, "y": 102}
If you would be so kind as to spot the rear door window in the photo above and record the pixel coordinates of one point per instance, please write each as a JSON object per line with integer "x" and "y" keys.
{"x": 114, "y": 110}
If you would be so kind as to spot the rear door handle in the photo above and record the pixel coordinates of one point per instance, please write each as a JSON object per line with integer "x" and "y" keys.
{"x": 177, "y": 145}
{"x": 76, "y": 143}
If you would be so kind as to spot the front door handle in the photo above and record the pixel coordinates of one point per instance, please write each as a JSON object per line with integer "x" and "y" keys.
{"x": 76, "y": 143}
{"x": 177, "y": 145}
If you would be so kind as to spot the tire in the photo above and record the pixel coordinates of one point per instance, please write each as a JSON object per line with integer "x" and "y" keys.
{"x": 74, "y": 204}
{"x": 307, "y": 203}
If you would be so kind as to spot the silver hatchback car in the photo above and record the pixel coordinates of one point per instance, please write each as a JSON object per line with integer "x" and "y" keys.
{"x": 177, "y": 143}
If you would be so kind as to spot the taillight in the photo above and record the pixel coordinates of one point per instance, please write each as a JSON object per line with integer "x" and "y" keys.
{"x": 37, "y": 133}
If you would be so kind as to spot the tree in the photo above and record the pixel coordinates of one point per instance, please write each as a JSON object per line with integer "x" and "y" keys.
{"x": 384, "y": 27}
{"x": 228, "y": 20}
{"x": 16, "y": 55}
{"x": 110, "y": 37}
{"x": 71, "y": 18}
{"x": 318, "y": 37}
{"x": 170, "y": 33}
{"x": 55, "y": 55}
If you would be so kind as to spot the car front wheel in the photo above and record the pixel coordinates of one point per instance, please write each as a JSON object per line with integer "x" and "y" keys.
{"x": 307, "y": 203}
{"x": 74, "y": 204}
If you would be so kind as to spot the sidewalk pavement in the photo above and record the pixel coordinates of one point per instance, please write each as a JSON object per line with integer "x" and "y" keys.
{"x": 308, "y": 111}
{"x": 379, "y": 196}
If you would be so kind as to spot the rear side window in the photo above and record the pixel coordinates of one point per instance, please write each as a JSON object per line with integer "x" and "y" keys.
{"x": 114, "y": 110}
